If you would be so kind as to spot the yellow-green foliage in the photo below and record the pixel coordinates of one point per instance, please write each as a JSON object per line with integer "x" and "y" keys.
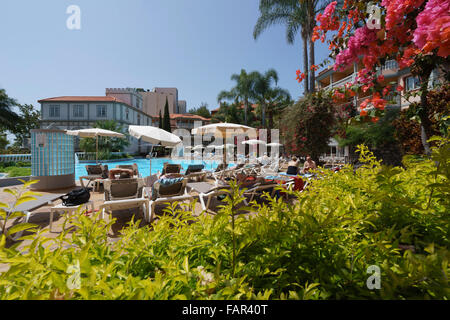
{"x": 316, "y": 248}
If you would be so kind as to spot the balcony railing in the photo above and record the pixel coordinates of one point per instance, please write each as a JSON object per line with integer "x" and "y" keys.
{"x": 341, "y": 82}
{"x": 15, "y": 157}
{"x": 390, "y": 65}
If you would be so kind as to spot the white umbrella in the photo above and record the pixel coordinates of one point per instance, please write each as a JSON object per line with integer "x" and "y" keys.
{"x": 199, "y": 147}
{"x": 228, "y": 146}
{"x": 274, "y": 144}
{"x": 253, "y": 142}
{"x": 154, "y": 135}
{"x": 95, "y": 133}
{"x": 224, "y": 129}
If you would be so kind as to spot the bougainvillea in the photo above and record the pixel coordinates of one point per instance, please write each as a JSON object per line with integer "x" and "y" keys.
{"x": 433, "y": 27}
{"x": 404, "y": 30}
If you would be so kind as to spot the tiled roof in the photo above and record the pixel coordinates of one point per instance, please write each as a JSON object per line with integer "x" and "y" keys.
{"x": 187, "y": 116}
{"x": 83, "y": 99}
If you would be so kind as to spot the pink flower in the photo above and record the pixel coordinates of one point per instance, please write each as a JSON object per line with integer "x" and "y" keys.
{"x": 355, "y": 46}
{"x": 433, "y": 27}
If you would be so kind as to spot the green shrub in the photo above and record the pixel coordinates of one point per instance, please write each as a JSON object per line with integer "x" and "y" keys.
{"x": 318, "y": 247}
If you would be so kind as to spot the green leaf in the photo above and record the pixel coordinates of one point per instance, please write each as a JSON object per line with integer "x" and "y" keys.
{"x": 21, "y": 227}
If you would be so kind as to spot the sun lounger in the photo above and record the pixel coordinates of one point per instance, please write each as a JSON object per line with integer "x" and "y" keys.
{"x": 96, "y": 173}
{"x": 124, "y": 194}
{"x": 133, "y": 167}
{"x": 32, "y": 205}
{"x": 171, "y": 168}
{"x": 166, "y": 190}
{"x": 195, "y": 172}
{"x": 209, "y": 194}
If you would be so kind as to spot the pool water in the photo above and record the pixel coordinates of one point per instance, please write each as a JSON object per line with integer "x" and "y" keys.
{"x": 144, "y": 165}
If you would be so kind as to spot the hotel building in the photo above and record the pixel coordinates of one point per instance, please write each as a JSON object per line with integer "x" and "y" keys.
{"x": 126, "y": 106}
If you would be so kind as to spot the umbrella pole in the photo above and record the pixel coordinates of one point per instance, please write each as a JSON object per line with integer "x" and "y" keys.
{"x": 151, "y": 151}
{"x": 96, "y": 150}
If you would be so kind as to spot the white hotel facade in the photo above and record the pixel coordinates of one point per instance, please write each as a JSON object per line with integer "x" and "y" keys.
{"x": 126, "y": 106}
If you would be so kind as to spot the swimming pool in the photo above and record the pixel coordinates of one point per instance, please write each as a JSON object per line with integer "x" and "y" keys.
{"x": 144, "y": 165}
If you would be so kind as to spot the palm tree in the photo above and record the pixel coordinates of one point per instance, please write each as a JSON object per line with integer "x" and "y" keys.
{"x": 292, "y": 13}
{"x": 8, "y": 118}
{"x": 242, "y": 90}
{"x": 264, "y": 93}
{"x": 278, "y": 100}
{"x": 296, "y": 15}
{"x": 231, "y": 113}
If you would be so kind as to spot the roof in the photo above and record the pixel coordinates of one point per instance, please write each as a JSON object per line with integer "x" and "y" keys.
{"x": 188, "y": 116}
{"x": 82, "y": 99}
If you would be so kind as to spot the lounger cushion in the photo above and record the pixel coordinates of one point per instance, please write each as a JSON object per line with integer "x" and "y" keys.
{"x": 167, "y": 187}
{"x": 194, "y": 168}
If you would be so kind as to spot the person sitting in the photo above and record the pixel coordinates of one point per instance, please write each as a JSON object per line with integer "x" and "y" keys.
{"x": 309, "y": 165}
{"x": 293, "y": 166}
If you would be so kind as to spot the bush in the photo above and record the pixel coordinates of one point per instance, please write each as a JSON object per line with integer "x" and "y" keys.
{"x": 319, "y": 247}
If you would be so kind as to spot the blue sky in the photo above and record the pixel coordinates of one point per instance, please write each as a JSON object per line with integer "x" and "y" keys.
{"x": 192, "y": 45}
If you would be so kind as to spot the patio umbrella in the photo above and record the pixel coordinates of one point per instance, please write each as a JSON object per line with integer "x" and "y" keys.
{"x": 199, "y": 147}
{"x": 253, "y": 142}
{"x": 95, "y": 133}
{"x": 154, "y": 135}
{"x": 224, "y": 129}
{"x": 274, "y": 144}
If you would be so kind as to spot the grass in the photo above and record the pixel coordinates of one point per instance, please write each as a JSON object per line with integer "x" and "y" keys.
{"x": 16, "y": 171}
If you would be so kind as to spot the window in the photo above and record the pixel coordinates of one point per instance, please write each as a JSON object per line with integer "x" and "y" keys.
{"x": 126, "y": 114}
{"x": 53, "y": 111}
{"x": 78, "y": 111}
{"x": 101, "y": 111}
{"x": 412, "y": 83}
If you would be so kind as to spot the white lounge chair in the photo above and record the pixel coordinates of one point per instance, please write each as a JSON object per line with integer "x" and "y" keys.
{"x": 124, "y": 194}
{"x": 160, "y": 193}
{"x": 32, "y": 205}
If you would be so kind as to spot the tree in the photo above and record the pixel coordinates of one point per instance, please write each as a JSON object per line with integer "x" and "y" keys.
{"x": 296, "y": 15}
{"x": 3, "y": 143}
{"x": 8, "y": 118}
{"x": 231, "y": 113}
{"x": 160, "y": 123}
{"x": 415, "y": 34}
{"x": 308, "y": 125}
{"x": 106, "y": 144}
{"x": 263, "y": 91}
{"x": 278, "y": 100}
{"x": 201, "y": 111}
{"x": 166, "y": 120}
{"x": 243, "y": 90}
{"x": 30, "y": 119}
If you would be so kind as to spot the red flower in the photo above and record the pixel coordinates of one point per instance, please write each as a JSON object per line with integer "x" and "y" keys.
{"x": 399, "y": 88}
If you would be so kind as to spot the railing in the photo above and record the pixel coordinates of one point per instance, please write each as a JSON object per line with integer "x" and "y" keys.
{"x": 84, "y": 156}
{"x": 390, "y": 65}
{"x": 15, "y": 157}
{"x": 342, "y": 82}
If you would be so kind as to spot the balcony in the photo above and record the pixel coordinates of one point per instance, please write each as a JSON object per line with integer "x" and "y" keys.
{"x": 341, "y": 83}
